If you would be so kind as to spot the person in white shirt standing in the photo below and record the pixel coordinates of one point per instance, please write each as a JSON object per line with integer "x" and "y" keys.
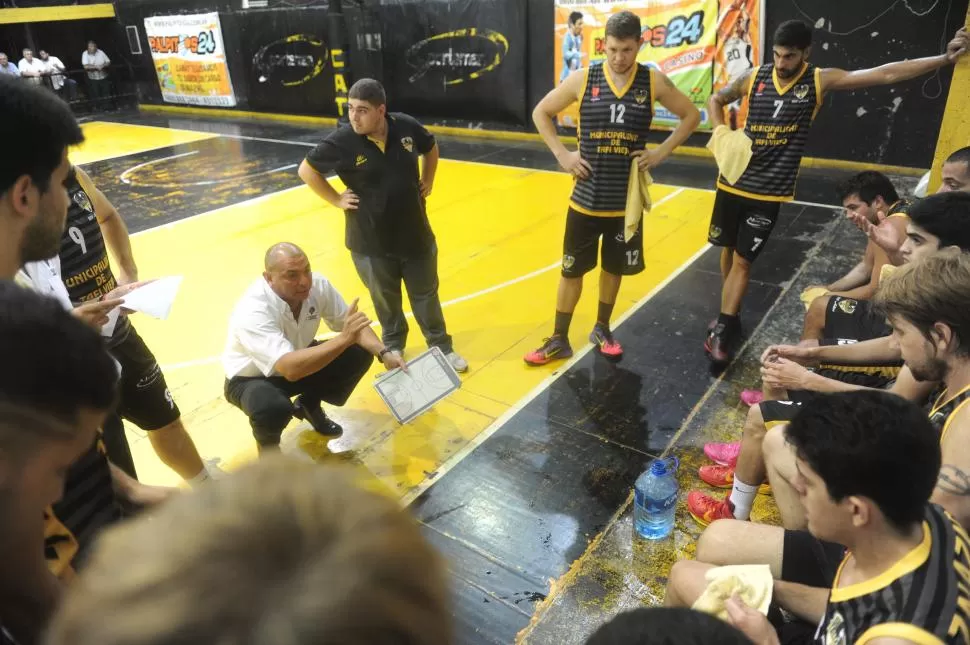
{"x": 271, "y": 354}
{"x": 65, "y": 87}
{"x": 32, "y": 69}
{"x": 95, "y": 62}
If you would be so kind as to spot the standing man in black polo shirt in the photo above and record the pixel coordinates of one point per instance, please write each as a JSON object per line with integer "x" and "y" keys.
{"x": 388, "y": 232}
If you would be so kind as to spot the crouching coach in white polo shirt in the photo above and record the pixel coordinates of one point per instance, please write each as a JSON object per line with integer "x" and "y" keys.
{"x": 271, "y": 354}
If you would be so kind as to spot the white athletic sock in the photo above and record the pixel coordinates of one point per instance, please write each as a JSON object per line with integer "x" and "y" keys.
{"x": 742, "y": 496}
{"x": 202, "y": 477}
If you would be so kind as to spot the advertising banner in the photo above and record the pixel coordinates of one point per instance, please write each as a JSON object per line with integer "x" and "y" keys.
{"x": 739, "y": 47}
{"x": 456, "y": 59}
{"x": 286, "y": 61}
{"x": 190, "y": 59}
{"x": 680, "y": 38}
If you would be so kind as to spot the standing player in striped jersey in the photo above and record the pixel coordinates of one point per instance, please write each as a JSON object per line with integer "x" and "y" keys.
{"x": 783, "y": 100}
{"x": 94, "y": 227}
{"x": 616, "y": 108}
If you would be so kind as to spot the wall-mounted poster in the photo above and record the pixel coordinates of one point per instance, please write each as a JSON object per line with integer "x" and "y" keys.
{"x": 190, "y": 59}
{"x": 696, "y": 43}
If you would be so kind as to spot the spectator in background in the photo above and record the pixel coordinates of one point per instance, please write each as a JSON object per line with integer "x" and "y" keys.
{"x": 65, "y": 87}
{"x": 282, "y": 552}
{"x": 95, "y": 62}
{"x": 6, "y": 67}
{"x": 32, "y": 69}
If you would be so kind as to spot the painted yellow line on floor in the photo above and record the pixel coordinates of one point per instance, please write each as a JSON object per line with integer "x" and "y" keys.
{"x": 103, "y": 140}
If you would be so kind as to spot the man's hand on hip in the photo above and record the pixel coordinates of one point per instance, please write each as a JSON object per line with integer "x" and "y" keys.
{"x": 348, "y": 200}
{"x": 573, "y": 163}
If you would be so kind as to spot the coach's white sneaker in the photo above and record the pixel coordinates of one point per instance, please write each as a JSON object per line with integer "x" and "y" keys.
{"x": 457, "y": 362}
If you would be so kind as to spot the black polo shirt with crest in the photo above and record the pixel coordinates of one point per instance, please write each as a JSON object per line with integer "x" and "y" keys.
{"x": 390, "y": 219}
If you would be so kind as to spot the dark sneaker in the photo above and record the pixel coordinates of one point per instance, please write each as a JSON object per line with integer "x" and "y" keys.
{"x": 718, "y": 344}
{"x": 317, "y": 418}
{"x": 602, "y": 339}
{"x": 553, "y": 348}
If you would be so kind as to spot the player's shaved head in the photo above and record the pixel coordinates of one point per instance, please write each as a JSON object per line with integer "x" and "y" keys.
{"x": 281, "y": 251}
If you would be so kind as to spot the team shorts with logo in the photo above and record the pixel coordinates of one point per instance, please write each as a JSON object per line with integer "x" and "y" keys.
{"x": 778, "y": 412}
{"x": 582, "y": 239}
{"x": 848, "y": 319}
{"x": 145, "y": 398}
{"x": 742, "y": 223}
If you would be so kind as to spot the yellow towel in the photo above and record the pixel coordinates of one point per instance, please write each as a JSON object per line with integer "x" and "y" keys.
{"x": 638, "y": 199}
{"x": 811, "y": 294}
{"x": 752, "y": 583}
{"x": 732, "y": 151}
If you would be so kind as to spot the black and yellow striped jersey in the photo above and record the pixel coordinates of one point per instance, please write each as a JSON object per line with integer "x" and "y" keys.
{"x": 923, "y": 598}
{"x": 899, "y": 208}
{"x": 945, "y": 408}
{"x": 613, "y": 123}
{"x": 88, "y": 506}
{"x": 780, "y": 116}
{"x": 85, "y": 268}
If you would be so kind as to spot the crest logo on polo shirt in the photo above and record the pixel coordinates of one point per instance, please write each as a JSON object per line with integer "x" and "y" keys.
{"x": 408, "y": 144}
{"x": 801, "y": 91}
{"x": 361, "y": 160}
{"x": 81, "y": 199}
{"x": 640, "y": 96}
{"x": 312, "y": 314}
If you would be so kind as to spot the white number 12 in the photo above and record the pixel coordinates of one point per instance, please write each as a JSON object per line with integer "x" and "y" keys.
{"x": 617, "y": 111}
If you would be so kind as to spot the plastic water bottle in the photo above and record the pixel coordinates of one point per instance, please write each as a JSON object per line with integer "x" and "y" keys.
{"x": 655, "y": 499}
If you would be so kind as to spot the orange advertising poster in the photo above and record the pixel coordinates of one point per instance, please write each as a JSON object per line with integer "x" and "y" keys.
{"x": 190, "y": 60}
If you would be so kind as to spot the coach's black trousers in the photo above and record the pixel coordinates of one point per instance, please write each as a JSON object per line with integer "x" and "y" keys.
{"x": 266, "y": 401}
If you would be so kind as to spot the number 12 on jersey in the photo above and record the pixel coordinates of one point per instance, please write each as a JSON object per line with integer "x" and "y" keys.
{"x": 617, "y": 110}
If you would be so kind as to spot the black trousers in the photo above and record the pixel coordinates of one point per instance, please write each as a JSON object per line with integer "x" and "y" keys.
{"x": 99, "y": 93}
{"x": 266, "y": 401}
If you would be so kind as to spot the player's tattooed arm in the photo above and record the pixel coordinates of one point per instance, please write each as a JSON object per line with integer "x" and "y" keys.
{"x": 736, "y": 90}
{"x": 953, "y": 490}
{"x": 954, "y": 481}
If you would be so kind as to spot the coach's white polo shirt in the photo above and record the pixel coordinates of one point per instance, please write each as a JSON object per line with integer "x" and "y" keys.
{"x": 262, "y": 327}
{"x": 44, "y": 277}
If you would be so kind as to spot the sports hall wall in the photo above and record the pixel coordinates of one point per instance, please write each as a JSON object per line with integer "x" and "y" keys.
{"x": 485, "y": 63}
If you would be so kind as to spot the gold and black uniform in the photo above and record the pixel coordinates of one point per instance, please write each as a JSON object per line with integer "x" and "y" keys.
{"x": 88, "y": 506}
{"x": 923, "y": 598}
{"x": 86, "y": 271}
{"x": 613, "y": 123}
{"x": 780, "y": 115}
{"x": 848, "y": 320}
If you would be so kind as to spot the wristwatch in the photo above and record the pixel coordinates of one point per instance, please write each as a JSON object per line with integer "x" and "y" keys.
{"x": 380, "y": 354}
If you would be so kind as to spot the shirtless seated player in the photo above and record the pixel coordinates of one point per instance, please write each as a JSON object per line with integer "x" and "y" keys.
{"x": 937, "y": 222}
{"x": 872, "y": 196}
{"x": 848, "y": 316}
{"x": 879, "y": 562}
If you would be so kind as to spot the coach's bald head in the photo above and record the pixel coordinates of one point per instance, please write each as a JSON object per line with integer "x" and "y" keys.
{"x": 287, "y": 270}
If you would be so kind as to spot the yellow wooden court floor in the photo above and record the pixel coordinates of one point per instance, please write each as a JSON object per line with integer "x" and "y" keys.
{"x": 499, "y": 231}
